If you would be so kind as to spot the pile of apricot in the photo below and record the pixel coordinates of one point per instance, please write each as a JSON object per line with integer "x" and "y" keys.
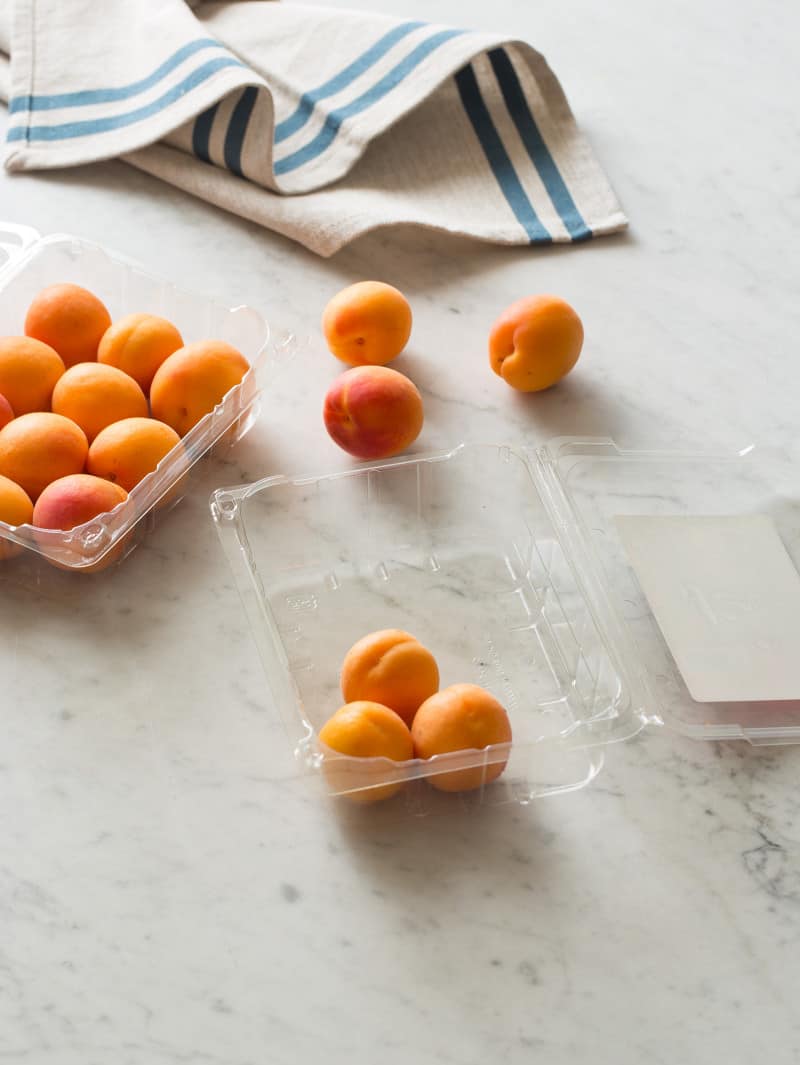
{"x": 90, "y": 407}
{"x": 373, "y": 412}
{"x": 395, "y": 710}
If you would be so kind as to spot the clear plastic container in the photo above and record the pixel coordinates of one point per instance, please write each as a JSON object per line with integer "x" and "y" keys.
{"x": 27, "y": 264}
{"x": 508, "y": 566}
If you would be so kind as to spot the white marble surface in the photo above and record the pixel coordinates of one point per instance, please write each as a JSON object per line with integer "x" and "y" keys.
{"x": 162, "y": 902}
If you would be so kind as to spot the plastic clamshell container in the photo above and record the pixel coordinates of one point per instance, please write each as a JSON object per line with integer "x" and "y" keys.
{"x": 508, "y": 566}
{"x": 28, "y": 263}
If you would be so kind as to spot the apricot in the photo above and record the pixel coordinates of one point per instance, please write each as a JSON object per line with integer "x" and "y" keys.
{"x": 29, "y": 370}
{"x": 71, "y": 501}
{"x": 462, "y": 717}
{"x": 126, "y": 451}
{"x": 38, "y": 448}
{"x": 138, "y": 344}
{"x": 390, "y": 667}
{"x": 94, "y": 396}
{"x": 70, "y": 319}
{"x": 535, "y": 342}
{"x": 367, "y": 324}
{"x": 6, "y": 412}
{"x": 364, "y": 729}
{"x": 193, "y": 380}
{"x": 373, "y": 412}
{"x": 16, "y": 508}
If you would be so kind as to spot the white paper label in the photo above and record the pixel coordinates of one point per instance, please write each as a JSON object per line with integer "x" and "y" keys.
{"x": 726, "y": 596}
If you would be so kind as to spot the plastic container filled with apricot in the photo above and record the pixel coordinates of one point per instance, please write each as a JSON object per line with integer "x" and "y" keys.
{"x": 436, "y": 546}
{"x": 30, "y": 264}
{"x": 508, "y": 566}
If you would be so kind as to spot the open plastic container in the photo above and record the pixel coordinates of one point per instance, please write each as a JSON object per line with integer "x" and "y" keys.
{"x": 508, "y": 566}
{"x": 27, "y": 264}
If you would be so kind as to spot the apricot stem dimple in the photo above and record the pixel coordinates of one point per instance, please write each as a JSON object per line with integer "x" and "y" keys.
{"x": 506, "y": 355}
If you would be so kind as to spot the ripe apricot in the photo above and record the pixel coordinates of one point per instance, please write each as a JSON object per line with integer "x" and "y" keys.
{"x": 73, "y": 500}
{"x": 6, "y": 413}
{"x": 535, "y": 342}
{"x": 368, "y": 323}
{"x": 38, "y": 448}
{"x": 138, "y": 344}
{"x": 193, "y": 380}
{"x": 373, "y": 412}
{"x": 460, "y": 718}
{"x": 390, "y": 667}
{"x": 364, "y": 729}
{"x": 94, "y": 396}
{"x": 126, "y": 451}
{"x": 70, "y": 319}
{"x": 16, "y": 508}
{"x": 29, "y": 370}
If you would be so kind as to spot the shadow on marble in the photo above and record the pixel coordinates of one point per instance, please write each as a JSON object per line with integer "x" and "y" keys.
{"x": 577, "y": 405}
{"x": 416, "y": 260}
{"x": 452, "y": 839}
{"x": 87, "y": 600}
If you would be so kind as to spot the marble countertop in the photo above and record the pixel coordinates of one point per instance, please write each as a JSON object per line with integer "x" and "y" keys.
{"x": 163, "y": 900}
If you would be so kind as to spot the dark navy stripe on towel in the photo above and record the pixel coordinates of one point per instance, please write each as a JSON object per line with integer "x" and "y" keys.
{"x": 201, "y": 134}
{"x": 237, "y": 128}
{"x": 498, "y": 158}
{"x": 535, "y": 146}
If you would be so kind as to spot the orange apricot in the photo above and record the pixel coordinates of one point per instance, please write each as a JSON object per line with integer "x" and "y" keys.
{"x": 70, "y": 319}
{"x": 126, "y": 451}
{"x": 367, "y": 730}
{"x": 535, "y": 342}
{"x": 193, "y": 380}
{"x": 29, "y": 371}
{"x": 94, "y": 396}
{"x": 390, "y": 667}
{"x": 138, "y": 344}
{"x": 16, "y": 508}
{"x": 462, "y": 717}
{"x": 38, "y": 448}
{"x": 368, "y": 323}
{"x": 373, "y": 412}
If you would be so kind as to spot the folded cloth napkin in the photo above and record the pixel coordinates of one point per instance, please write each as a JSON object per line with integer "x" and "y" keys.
{"x": 319, "y": 123}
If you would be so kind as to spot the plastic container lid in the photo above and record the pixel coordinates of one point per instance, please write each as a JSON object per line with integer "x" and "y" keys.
{"x": 589, "y": 484}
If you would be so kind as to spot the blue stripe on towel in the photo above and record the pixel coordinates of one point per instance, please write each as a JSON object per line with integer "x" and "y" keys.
{"x": 67, "y": 130}
{"x": 359, "y": 66}
{"x": 237, "y": 128}
{"x": 201, "y": 133}
{"x": 107, "y": 96}
{"x": 535, "y": 145}
{"x": 498, "y": 158}
{"x": 389, "y": 81}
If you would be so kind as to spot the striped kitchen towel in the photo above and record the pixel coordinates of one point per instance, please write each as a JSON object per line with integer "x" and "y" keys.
{"x": 319, "y": 123}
